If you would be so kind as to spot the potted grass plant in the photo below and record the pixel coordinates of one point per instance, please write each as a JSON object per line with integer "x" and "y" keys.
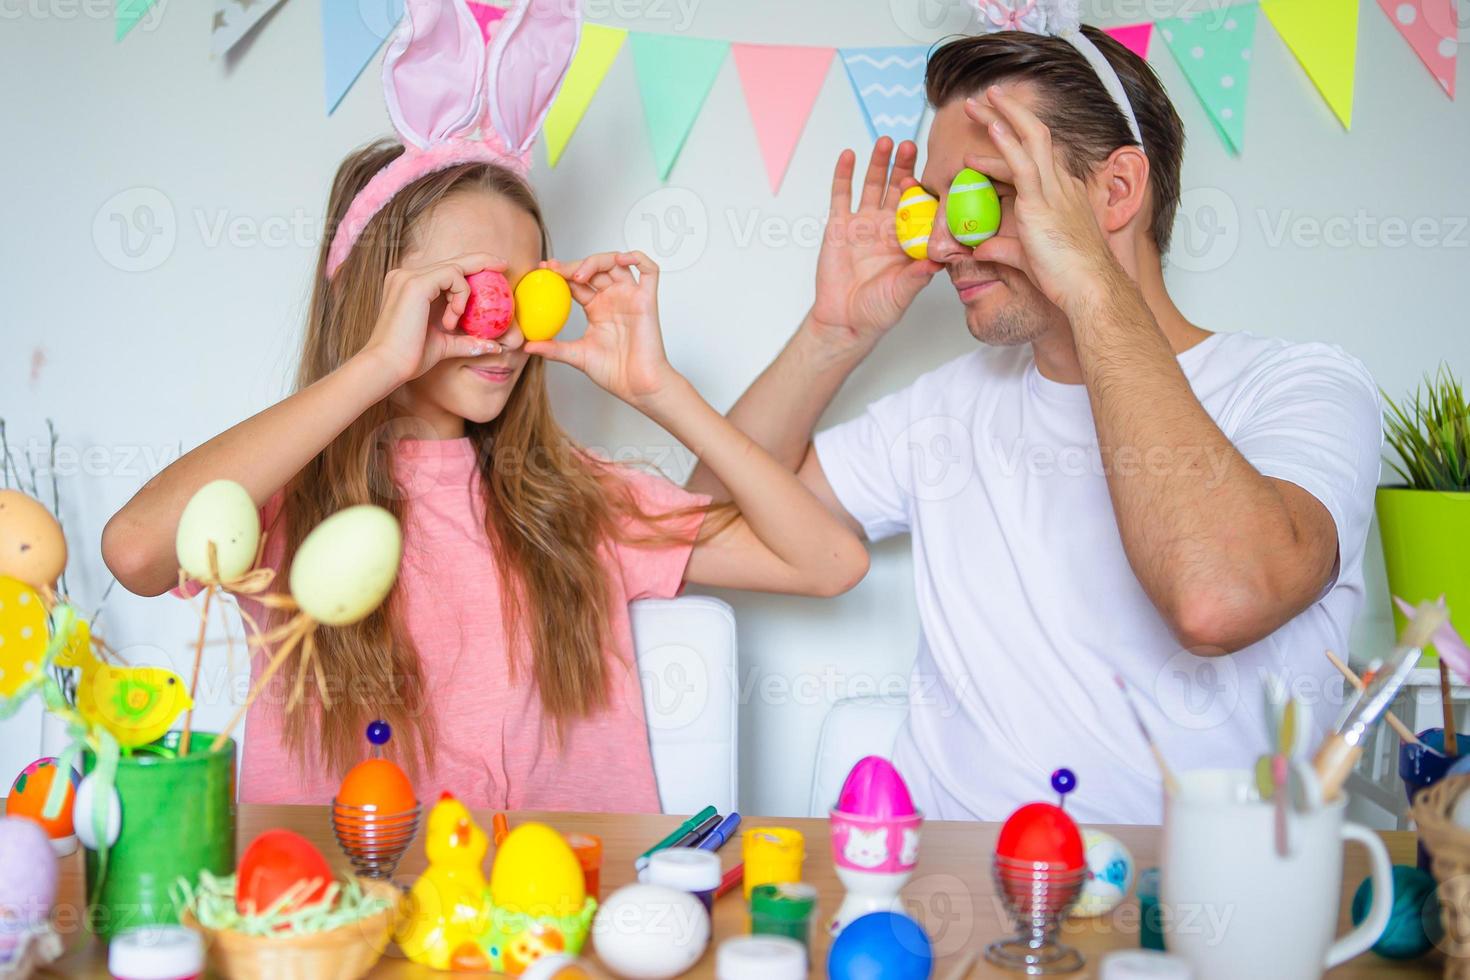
{"x": 1425, "y": 521}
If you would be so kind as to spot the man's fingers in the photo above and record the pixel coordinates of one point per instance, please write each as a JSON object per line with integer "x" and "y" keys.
{"x": 902, "y": 175}
{"x": 877, "y": 175}
{"x": 842, "y": 182}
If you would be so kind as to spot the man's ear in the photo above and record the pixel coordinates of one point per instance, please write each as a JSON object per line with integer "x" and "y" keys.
{"x": 1126, "y": 173}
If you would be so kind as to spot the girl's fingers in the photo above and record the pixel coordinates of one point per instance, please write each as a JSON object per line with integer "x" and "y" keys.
{"x": 842, "y": 183}
{"x": 601, "y": 281}
{"x": 581, "y": 292}
{"x": 647, "y": 268}
{"x": 463, "y": 345}
{"x": 877, "y": 175}
{"x": 570, "y": 352}
{"x": 902, "y": 175}
{"x": 594, "y": 264}
{"x": 472, "y": 262}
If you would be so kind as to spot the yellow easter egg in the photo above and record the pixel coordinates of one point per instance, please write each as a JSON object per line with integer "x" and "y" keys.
{"x": 913, "y": 221}
{"x": 32, "y": 548}
{"x": 543, "y": 303}
{"x": 536, "y": 873}
{"x": 346, "y": 565}
{"x": 23, "y": 637}
{"x": 221, "y": 512}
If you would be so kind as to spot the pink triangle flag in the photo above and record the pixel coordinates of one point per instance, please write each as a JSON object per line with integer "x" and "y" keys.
{"x": 487, "y": 16}
{"x": 1431, "y": 28}
{"x": 781, "y": 83}
{"x": 1135, "y": 37}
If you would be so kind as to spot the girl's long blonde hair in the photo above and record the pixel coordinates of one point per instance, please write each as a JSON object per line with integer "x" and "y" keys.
{"x": 551, "y": 507}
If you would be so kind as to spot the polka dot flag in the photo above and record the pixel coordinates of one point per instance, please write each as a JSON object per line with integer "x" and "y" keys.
{"x": 1430, "y": 27}
{"x": 1214, "y": 52}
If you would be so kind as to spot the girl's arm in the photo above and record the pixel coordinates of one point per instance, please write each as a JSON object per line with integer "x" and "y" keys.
{"x": 265, "y": 451}
{"x": 784, "y": 539}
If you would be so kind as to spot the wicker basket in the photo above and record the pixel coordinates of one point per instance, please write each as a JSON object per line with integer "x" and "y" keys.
{"x": 345, "y": 953}
{"x": 1448, "y": 845}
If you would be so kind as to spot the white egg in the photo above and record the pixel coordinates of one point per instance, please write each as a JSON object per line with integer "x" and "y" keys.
{"x": 648, "y": 932}
{"x": 222, "y": 512}
{"x": 346, "y": 565}
{"x": 1109, "y": 874}
{"x": 85, "y": 802}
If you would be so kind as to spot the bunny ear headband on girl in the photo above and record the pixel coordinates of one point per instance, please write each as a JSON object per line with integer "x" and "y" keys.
{"x": 454, "y": 98}
{"x": 1063, "y": 19}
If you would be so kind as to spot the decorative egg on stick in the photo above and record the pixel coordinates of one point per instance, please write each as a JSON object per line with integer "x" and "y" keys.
{"x": 217, "y": 544}
{"x": 137, "y": 705}
{"x": 342, "y": 571}
{"x": 32, "y": 546}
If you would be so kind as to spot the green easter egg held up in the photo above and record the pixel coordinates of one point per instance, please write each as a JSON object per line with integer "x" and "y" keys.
{"x": 972, "y": 209}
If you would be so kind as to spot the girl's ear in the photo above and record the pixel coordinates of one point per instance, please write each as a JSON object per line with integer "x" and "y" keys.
{"x": 433, "y": 71}
{"x": 529, "y": 56}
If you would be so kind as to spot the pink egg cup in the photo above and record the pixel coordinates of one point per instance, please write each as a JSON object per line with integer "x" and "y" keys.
{"x": 874, "y": 857}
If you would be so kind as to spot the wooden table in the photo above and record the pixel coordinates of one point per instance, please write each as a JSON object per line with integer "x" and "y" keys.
{"x": 951, "y": 893}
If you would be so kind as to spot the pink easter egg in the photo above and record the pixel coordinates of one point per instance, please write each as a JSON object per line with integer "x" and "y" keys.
{"x": 488, "y": 312}
{"x": 875, "y": 789}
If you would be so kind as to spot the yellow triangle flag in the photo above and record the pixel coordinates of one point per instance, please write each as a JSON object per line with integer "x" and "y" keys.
{"x": 1323, "y": 34}
{"x": 595, "y": 53}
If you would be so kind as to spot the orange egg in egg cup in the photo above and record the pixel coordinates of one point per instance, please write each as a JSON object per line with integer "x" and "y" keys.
{"x": 375, "y": 814}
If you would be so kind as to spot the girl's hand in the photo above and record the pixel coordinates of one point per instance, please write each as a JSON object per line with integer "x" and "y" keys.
{"x": 864, "y": 280}
{"x": 622, "y": 349}
{"x": 408, "y": 337}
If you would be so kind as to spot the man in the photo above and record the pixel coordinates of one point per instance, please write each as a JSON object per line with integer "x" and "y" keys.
{"x": 1102, "y": 489}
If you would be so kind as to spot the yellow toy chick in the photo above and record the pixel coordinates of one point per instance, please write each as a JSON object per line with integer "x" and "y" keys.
{"x": 448, "y": 907}
{"x": 136, "y": 704}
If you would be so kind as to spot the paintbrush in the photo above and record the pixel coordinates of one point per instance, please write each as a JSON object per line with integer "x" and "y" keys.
{"x": 1398, "y": 726}
{"x": 1171, "y": 785}
{"x": 1340, "y": 751}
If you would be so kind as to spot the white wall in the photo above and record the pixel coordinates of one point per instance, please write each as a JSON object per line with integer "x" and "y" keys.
{"x": 132, "y": 365}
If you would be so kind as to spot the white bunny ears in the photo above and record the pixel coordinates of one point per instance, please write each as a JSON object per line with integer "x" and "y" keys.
{"x": 454, "y": 98}
{"x": 1063, "y": 19}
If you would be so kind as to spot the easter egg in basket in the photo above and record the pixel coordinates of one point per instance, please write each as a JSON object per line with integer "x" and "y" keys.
{"x": 275, "y": 863}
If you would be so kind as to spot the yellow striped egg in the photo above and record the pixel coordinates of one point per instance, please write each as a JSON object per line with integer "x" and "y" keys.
{"x": 915, "y": 218}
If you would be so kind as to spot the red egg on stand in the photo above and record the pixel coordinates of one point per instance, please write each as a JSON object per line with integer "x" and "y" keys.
{"x": 1040, "y": 865}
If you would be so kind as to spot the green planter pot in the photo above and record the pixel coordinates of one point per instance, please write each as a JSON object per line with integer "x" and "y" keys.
{"x": 1426, "y": 550}
{"x": 178, "y": 818}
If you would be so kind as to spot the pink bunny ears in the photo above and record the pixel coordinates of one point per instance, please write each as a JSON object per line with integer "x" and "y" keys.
{"x": 1063, "y": 19}
{"x": 454, "y": 98}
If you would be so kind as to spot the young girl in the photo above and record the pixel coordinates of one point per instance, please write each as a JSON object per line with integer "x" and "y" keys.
{"x": 503, "y": 657}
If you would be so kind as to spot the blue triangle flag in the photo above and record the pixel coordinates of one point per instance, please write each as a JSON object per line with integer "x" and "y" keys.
{"x": 352, "y": 32}
{"x": 889, "y": 85}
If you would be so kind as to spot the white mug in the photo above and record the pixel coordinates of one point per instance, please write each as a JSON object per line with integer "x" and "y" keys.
{"x": 1236, "y": 909}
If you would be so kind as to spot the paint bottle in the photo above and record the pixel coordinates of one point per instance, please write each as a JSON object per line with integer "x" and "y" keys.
{"x": 773, "y": 855}
{"x": 687, "y": 869}
{"x": 156, "y": 953}
{"x": 783, "y": 910}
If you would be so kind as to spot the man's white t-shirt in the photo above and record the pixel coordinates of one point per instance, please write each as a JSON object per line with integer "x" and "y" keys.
{"x": 1027, "y": 604}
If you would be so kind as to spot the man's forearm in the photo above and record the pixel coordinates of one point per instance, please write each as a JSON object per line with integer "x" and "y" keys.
{"x": 1211, "y": 540}
{"x": 780, "y": 410}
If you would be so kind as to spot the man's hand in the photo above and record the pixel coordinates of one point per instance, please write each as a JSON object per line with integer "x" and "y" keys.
{"x": 864, "y": 280}
{"x": 1059, "y": 244}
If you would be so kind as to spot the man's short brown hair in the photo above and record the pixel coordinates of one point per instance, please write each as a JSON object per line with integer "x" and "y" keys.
{"x": 1082, "y": 117}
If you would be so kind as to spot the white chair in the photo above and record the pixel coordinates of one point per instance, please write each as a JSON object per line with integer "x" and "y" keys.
{"x": 853, "y": 728}
{"x": 687, "y": 662}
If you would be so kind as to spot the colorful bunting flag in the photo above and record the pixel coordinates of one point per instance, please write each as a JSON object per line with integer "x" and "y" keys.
{"x": 889, "y": 86}
{"x": 781, "y": 83}
{"x": 352, "y": 32}
{"x": 487, "y": 16}
{"x": 1430, "y": 27}
{"x": 1214, "y": 52}
{"x": 675, "y": 75}
{"x": 233, "y": 19}
{"x": 127, "y": 14}
{"x": 596, "y": 50}
{"x": 1134, "y": 37}
{"x": 1323, "y": 34}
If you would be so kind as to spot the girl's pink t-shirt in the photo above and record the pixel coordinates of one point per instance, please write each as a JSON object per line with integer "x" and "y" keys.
{"x": 494, "y": 747}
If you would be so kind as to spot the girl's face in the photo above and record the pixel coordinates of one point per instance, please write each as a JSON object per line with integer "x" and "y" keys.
{"x": 474, "y": 389}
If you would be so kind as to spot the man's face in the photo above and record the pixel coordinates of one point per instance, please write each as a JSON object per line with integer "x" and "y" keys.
{"x": 1002, "y": 306}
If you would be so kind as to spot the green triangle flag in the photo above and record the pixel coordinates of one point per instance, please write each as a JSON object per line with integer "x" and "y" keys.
{"x": 1323, "y": 34}
{"x": 1214, "y": 52}
{"x": 675, "y": 75}
{"x": 595, "y": 53}
{"x": 127, "y": 13}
